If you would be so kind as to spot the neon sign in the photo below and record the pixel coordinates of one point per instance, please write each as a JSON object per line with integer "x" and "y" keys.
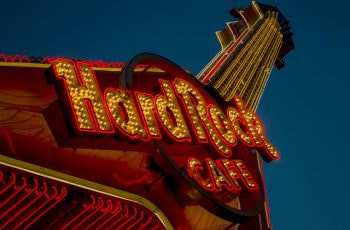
{"x": 207, "y": 145}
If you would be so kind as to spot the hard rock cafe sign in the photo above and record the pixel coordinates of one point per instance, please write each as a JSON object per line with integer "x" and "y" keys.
{"x": 206, "y": 146}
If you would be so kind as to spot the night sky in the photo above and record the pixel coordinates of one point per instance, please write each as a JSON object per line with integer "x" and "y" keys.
{"x": 304, "y": 107}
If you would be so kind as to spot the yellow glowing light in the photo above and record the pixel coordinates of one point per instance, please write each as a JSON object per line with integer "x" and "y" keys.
{"x": 170, "y": 113}
{"x": 124, "y": 112}
{"x": 222, "y": 125}
{"x": 194, "y": 165}
{"x": 82, "y": 89}
{"x": 183, "y": 88}
{"x": 147, "y": 106}
{"x": 219, "y": 177}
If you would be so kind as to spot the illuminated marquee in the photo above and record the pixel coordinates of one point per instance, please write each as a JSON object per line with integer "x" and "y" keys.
{"x": 210, "y": 141}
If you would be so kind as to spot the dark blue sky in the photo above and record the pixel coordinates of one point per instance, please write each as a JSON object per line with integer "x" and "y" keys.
{"x": 305, "y": 106}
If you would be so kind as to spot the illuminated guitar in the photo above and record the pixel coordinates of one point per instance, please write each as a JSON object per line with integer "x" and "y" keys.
{"x": 144, "y": 145}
